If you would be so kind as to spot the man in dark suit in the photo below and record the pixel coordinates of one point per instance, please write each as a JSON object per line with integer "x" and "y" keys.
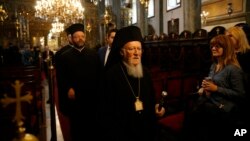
{"x": 104, "y": 51}
{"x": 48, "y": 59}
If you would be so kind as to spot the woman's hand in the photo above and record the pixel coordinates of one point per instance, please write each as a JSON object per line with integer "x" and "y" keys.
{"x": 209, "y": 87}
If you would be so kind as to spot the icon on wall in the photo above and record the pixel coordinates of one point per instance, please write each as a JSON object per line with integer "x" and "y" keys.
{"x": 173, "y": 26}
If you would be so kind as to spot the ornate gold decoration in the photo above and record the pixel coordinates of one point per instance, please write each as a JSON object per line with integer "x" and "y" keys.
{"x": 3, "y": 13}
{"x": 89, "y": 27}
{"x": 204, "y": 15}
{"x": 22, "y": 136}
{"x": 67, "y": 11}
{"x": 229, "y": 8}
{"x": 145, "y": 3}
{"x": 57, "y": 26}
{"x": 95, "y": 2}
{"x": 107, "y": 16}
{"x": 8, "y": 100}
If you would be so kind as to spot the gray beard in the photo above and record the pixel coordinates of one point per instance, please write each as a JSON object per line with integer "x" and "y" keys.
{"x": 134, "y": 71}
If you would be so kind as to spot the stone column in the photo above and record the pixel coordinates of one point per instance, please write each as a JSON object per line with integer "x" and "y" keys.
{"x": 116, "y": 9}
{"x": 145, "y": 21}
{"x": 161, "y": 16}
{"x": 142, "y": 19}
{"x": 192, "y": 19}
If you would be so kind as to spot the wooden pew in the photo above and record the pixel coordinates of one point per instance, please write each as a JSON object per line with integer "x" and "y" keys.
{"x": 20, "y": 100}
{"x": 180, "y": 88}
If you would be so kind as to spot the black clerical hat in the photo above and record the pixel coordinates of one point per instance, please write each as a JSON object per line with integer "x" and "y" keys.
{"x": 123, "y": 36}
{"x": 75, "y": 27}
{"x": 127, "y": 34}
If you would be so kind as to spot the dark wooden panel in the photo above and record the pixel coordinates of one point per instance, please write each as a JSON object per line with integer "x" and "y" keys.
{"x": 30, "y": 100}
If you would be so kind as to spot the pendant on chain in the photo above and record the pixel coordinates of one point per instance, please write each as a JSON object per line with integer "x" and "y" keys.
{"x": 138, "y": 104}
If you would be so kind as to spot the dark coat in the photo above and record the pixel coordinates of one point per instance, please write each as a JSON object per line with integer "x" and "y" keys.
{"x": 78, "y": 70}
{"x": 121, "y": 121}
{"x": 102, "y": 53}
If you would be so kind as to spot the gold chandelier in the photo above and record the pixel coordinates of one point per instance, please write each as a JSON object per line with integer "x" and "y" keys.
{"x": 57, "y": 26}
{"x": 66, "y": 11}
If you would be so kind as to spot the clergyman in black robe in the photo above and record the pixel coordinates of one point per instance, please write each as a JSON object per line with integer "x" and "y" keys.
{"x": 77, "y": 71}
{"x": 129, "y": 107}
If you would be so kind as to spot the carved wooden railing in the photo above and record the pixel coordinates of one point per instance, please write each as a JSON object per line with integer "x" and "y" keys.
{"x": 21, "y": 101}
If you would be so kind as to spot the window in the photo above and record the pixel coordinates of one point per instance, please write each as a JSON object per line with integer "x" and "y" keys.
{"x": 172, "y": 4}
{"x": 151, "y": 8}
{"x": 134, "y": 12}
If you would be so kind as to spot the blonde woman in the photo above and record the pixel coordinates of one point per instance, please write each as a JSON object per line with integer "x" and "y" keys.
{"x": 217, "y": 110}
{"x": 242, "y": 48}
{"x": 241, "y": 45}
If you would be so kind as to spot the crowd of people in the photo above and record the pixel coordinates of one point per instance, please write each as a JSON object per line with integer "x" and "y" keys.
{"x": 119, "y": 100}
{"x": 109, "y": 93}
{"x": 15, "y": 56}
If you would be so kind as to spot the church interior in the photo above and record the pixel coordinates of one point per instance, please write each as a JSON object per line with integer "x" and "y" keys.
{"x": 176, "y": 37}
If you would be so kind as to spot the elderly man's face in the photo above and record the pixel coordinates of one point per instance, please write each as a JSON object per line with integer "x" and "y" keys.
{"x": 132, "y": 52}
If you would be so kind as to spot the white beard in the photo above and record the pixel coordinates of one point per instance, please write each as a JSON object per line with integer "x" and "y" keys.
{"x": 134, "y": 71}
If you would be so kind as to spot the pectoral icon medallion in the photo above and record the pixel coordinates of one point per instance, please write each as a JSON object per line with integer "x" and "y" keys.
{"x": 138, "y": 105}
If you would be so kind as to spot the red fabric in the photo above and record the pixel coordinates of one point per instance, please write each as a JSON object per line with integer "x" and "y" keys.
{"x": 64, "y": 122}
{"x": 43, "y": 76}
{"x": 174, "y": 88}
{"x": 173, "y": 122}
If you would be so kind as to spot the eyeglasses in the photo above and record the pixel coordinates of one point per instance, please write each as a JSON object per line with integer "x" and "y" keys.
{"x": 215, "y": 46}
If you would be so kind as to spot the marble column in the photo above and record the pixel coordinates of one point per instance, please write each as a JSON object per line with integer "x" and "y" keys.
{"x": 192, "y": 19}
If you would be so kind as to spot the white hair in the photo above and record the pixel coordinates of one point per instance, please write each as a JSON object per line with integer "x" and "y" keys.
{"x": 134, "y": 71}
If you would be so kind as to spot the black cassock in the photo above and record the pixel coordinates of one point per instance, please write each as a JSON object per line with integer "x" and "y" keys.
{"x": 80, "y": 71}
{"x": 121, "y": 120}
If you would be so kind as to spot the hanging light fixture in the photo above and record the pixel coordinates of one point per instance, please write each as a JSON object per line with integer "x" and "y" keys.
{"x": 204, "y": 15}
{"x": 229, "y": 9}
{"x": 67, "y": 11}
{"x": 57, "y": 26}
{"x": 145, "y": 3}
{"x": 89, "y": 27}
{"x": 95, "y": 2}
{"x": 107, "y": 16}
{"x": 3, "y": 13}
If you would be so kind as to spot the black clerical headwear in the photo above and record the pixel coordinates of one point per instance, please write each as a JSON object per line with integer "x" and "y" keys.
{"x": 127, "y": 34}
{"x": 122, "y": 36}
{"x": 75, "y": 27}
